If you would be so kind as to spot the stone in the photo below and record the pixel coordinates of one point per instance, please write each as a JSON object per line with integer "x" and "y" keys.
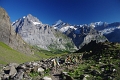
{"x": 22, "y": 66}
{"x": 86, "y": 75}
{"x": 40, "y": 69}
{"x": 47, "y": 78}
{"x": 85, "y": 78}
{"x": 1, "y": 76}
{"x": 65, "y": 73}
{"x": 102, "y": 69}
{"x": 13, "y": 71}
{"x": 35, "y": 64}
{"x": 5, "y": 77}
{"x": 19, "y": 76}
{"x": 14, "y": 64}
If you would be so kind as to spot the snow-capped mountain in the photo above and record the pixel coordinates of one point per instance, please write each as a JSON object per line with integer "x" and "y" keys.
{"x": 42, "y": 35}
{"x": 34, "y": 32}
{"x": 111, "y": 31}
{"x": 80, "y": 34}
{"x": 61, "y": 26}
{"x": 104, "y": 28}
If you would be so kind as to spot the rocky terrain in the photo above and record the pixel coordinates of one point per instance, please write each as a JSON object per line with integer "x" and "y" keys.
{"x": 100, "y": 62}
{"x": 9, "y": 36}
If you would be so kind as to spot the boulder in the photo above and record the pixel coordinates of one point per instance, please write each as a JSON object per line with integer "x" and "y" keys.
{"x": 47, "y": 78}
{"x": 13, "y": 71}
{"x": 40, "y": 69}
{"x": 35, "y": 64}
{"x": 19, "y": 76}
{"x": 85, "y": 78}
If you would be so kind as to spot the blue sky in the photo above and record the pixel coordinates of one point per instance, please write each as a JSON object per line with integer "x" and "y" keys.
{"x": 70, "y": 11}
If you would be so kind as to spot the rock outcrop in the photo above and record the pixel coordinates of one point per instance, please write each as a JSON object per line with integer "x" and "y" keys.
{"x": 9, "y": 36}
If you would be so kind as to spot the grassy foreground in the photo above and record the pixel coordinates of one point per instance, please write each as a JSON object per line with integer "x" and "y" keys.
{"x": 8, "y": 55}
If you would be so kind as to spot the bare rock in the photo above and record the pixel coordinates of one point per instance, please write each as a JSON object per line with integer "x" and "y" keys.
{"x": 19, "y": 76}
{"x": 40, "y": 69}
{"x": 13, "y": 71}
{"x": 47, "y": 78}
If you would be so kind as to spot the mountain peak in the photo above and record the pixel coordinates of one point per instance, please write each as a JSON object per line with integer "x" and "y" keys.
{"x": 59, "y": 22}
{"x": 29, "y": 15}
{"x": 28, "y": 18}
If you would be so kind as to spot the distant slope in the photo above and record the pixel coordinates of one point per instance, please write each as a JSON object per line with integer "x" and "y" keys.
{"x": 8, "y": 55}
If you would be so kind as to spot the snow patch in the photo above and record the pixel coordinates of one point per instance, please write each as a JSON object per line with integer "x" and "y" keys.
{"x": 109, "y": 30}
{"x": 35, "y": 23}
{"x": 24, "y": 17}
{"x": 64, "y": 29}
{"x": 57, "y": 23}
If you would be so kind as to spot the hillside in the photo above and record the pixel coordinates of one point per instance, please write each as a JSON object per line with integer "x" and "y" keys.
{"x": 9, "y": 55}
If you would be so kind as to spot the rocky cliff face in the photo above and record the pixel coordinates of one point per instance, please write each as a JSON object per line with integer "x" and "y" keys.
{"x": 42, "y": 35}
{"x": 9, "y": 36}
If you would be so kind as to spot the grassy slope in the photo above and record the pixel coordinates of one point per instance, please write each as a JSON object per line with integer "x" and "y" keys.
{"x": 8, "y": 55}
{"x": 43, "y": 54}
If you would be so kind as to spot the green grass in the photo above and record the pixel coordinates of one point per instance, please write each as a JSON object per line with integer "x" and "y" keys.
{"x": 43, "y": 54}
{"x": 8, "y": 55}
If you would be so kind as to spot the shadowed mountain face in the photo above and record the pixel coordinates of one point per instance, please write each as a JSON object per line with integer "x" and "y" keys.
{"x": 8, "y": 35}
{"x": 86, "y": 34}
{"x": 114, "y": 36}
{"x": 42, "y": 35}
{"x": 110, "y": 31}
{"x": 80, "y": 34}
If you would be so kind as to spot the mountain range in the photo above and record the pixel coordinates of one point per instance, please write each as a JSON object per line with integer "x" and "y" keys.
{"x": 35, "y": 33}
{"x": 109, "y": 30}
{"x": 58, "y": 36}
